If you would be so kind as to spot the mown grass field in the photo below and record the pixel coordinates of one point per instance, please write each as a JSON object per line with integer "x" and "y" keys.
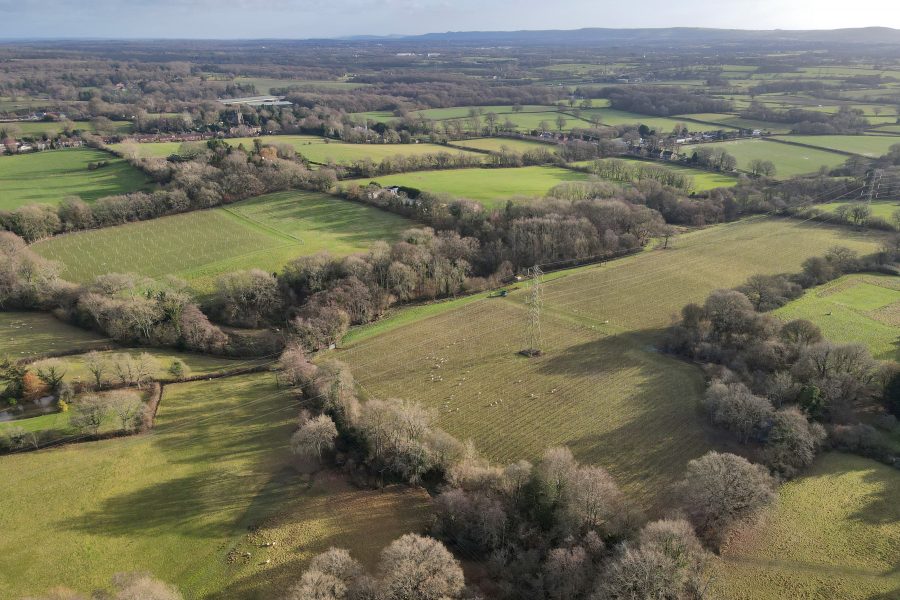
{"x": 600, "y": 387}
{"x": 883, "y": 209}
{"x": 29, "y": 333}
{"x": 48, "y": 177}
{"x": 862, "y": 309}
{"x": 313, "y": 148}
{"x": 733, "y": 121}
{"x": 835, "y": 534}
{"x": 664, "y": 125}
{"x": 39, "y": 128}
{"x": 866, "y": 145}
{"x": 703, "y": 180}
{"x": 264, "y": 232}
{"x": 492, "y": 187}
{"x": 789, "y": 160}
{"x": 164, "y": 149}
{"x": 496, "y": 144}
{"x": 178, "y": 502}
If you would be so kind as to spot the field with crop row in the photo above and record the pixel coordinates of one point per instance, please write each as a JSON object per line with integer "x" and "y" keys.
{"x": 600, "y": 386}
{"x": 48, "y": 177}
{"x": 264, "y": 232}
{"x": 864, "y": 309}
{"x": 179, "y": 501}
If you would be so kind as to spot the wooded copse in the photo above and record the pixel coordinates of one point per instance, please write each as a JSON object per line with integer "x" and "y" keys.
{"x": 780, "y": 388}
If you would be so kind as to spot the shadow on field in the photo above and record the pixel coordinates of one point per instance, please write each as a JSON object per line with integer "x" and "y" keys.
{"x": 648, "y": 442}
{"x": 882, "y": 507}
{"x": 196, "y": 505}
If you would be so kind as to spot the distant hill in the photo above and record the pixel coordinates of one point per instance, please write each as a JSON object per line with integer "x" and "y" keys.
{"x": 673, "y": 36}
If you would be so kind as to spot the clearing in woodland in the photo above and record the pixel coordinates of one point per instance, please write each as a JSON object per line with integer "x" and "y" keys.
{"x": 181, "y": 501}
{"x": 600, "y": 386}
{"x": 264, "y": 232}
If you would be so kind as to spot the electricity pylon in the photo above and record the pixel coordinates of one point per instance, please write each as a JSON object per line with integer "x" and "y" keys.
{"x": 535, "y": 304}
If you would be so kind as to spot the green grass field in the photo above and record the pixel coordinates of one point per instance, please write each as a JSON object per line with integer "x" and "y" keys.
{"x": 48, "y": 177}
{"x": 197, "y": 364}
{"x": 835, "y": 534}
{"x": 862, "y": 309}
{"x": 703, "y": 181}
{"x": 264, "y": 232}
{"x": 178, "y": 502}
{"x": 28, "y": 333}
{"x": 52, "y": 128}
{"x": 664, "y": 125}
{"x": 164, "y": 149}
{"x": 313, "y": 148}
{"x": 601, "y": 387}
{"x": 883, "y": 209}
{"x": 492, "y": 187}
{"x": 789, "y": 160}
{"x": 733, "y": 121}
{"x": 866, "y": 145}
{"x": 497, "y": 144}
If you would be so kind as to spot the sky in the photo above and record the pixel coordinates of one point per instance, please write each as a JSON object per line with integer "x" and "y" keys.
{"x": 299, "y": 19}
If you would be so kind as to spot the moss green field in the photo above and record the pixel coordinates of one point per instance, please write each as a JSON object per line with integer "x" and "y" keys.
{"x": 866, "y": 145}
{"x": 48, "y": 177}
{"x": 28, "y": 333}
{"x": 730, "y": 121}
{"x": 601, "y": 387}
{"x": 40, "y": 128}
{"x": 496, "y": 144}
{"x": 834, "y": 534}
{"x": 314, "y": 149}
{"x": 789, "y": 160}
{"x": 702, "y": 180}
{"x": 862, "y": 309}
{"x": 181, "y": 501}
{"x": 492, "y": 187}
{"x": 264, "y": 232}
{"x": 883, "y": 209}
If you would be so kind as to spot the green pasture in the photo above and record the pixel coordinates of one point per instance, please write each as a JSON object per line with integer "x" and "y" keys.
{"x": 492, "y": 187}
{"x": 496, "y": 144}
{"x": 789, "y": 160}
{"x": 213, "y": 480}
{"x": 729, "y": 121}
{"x": 28, "y": 333}
{"x": 883, "y": 209}
{"x": 835, "y": 533}
{"x": 48, "y": 177}
{"x": 866, "y": 145}
{"x": 863, "y": 309}
{"x": 264, "y": 232}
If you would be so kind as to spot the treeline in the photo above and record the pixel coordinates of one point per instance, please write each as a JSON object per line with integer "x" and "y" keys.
{"x": 658, "y": 101}
{"x": 553, "y": 529}
{"x": 127, "y": 309}
{"x": 777, "y": 386}
{"x": 466, "y": 250}
{"x": 845, "y": 121}
{"x": 632, "y": 171}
